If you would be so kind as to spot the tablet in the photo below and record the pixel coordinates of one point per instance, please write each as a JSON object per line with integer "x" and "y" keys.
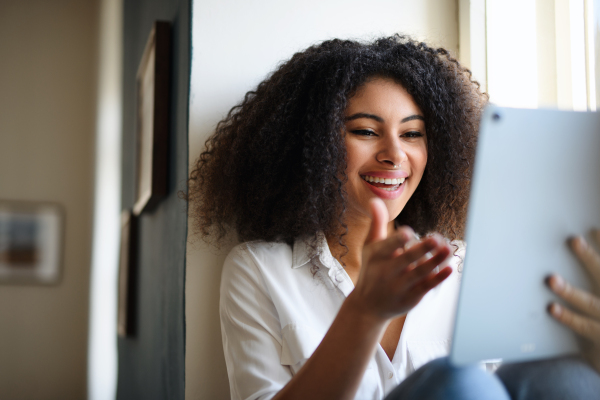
{"x": 536, "y": 183}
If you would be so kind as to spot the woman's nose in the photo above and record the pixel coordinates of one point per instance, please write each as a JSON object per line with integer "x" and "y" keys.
{"x": 391, "y": 153}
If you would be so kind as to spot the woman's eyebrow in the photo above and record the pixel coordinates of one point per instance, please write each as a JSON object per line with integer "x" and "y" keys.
{"x": 364, "y": 115}
{"x": 412, "y": 117}
{"x": 379, "y": 119}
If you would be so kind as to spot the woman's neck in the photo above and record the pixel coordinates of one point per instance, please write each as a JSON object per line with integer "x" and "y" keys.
{"x": 358, "y": 229}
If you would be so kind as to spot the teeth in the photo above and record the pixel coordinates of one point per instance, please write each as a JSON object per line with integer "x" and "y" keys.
{"x": 387, "y": 181}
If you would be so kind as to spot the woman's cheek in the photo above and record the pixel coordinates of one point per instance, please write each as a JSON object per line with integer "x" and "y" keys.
{"x": 420, "y": 160}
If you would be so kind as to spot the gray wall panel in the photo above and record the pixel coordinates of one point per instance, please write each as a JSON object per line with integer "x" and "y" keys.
{"x": 152, "y": 363}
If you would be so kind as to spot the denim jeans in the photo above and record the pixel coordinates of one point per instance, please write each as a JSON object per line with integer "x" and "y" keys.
{"x": 561, "y": 378}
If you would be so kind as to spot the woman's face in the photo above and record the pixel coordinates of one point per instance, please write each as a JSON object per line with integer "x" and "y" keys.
{"x": 386, "y": 146}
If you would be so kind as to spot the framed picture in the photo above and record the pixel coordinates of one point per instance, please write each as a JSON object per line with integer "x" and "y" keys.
{"x": 127, "y": 275}
{"x": 31, "y": 242}
{"x": 152, "y": 131}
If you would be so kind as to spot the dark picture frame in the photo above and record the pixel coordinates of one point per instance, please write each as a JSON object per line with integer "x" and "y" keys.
{"x": 127, "y": 293}
{"x": 31, "y": 242}
{"x": 152, "y": 128}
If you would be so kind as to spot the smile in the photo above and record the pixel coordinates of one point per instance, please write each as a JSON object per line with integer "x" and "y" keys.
{"x": 387, "y": 184}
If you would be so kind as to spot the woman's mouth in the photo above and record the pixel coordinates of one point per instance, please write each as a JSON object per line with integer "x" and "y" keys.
{"x": 388, "y": 184}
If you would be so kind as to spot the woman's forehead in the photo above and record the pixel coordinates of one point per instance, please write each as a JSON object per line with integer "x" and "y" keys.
{"x": 382, "y": 97}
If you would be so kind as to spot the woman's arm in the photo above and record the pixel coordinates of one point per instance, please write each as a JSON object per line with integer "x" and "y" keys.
{"x": 586, "y": 322}
{"x": 391, "y": 282}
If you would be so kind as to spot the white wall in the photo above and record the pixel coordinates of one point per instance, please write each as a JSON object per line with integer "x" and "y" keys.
{"x": 235, "y": 44}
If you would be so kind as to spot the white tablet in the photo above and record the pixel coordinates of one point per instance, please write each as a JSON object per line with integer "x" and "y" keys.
{"x": 536, "y": 182}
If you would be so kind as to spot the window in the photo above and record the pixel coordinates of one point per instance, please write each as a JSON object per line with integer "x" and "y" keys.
{"x": 532, "y": 53}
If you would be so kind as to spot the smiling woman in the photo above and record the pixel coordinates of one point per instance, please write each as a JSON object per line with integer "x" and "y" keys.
{"x": 386, "y": 142}
{"x": 386, "y": 154}
{"x": 316, "y": 170}
{"x": 275, "y": 169}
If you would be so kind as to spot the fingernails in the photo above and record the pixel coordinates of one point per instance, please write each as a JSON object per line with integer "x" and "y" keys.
{"x": 580, "y": 242}
{"x": 403, "y": 235}
{"x": 555, "y": 309}
{"x": 434, "y": 240}
{"x": 406, "y": 232}
{"x": 557, "y": 283}
{"x": 437, "y": 239}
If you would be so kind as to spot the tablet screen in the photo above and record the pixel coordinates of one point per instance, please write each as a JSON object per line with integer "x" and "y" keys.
{"x": 536, "y": 183}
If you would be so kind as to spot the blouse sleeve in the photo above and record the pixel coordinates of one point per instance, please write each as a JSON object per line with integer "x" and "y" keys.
{"x": 251, "y": 330}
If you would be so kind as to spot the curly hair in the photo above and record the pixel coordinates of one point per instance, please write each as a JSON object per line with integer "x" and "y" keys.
{"x": 274, "y": 169}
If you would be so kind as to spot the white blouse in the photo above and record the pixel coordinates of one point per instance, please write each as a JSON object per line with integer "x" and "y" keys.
{"x": 277, "y": 303}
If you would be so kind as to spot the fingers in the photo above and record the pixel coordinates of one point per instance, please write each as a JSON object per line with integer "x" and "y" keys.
{"x": 584, "y": 326}
{"x": 424, "y": 269}
{"x": 419, "y": 250}
{"x": 425, "y": 285}
{"x": 379, "y": 221}
{"x": 587, "y": 255}
{"x": 580, "y": 299}
{"x": 432, "y": 280}
{"x": 388, "y": 248}
{"x": 596, "y": 235}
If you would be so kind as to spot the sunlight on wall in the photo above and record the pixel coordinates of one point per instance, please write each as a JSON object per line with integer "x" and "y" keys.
{"x": 102, "y": 347}
{"x": 472, "y": 38}
{"x": 577, "y": 39}
{"x": 512, "y": 53}
{"x": 540, "y": 53}
{"x": 570, "y": 55}
{"x": 590, "y": 52}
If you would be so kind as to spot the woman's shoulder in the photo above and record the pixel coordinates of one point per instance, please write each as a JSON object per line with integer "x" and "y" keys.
{"x": 258, "y": 256}
{"x": 253, "y": 269}
{"x": 260, "y": 251}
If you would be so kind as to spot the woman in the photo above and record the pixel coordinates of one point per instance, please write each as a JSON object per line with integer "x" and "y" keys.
{"x": 320, "y": 171}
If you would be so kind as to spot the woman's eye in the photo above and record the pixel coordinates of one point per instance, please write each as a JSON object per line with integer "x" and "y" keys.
{"x": 363, "y": 132}
{"x": 412, "y": 134}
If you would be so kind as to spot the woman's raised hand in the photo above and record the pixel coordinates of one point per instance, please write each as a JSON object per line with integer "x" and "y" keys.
{"x": 586, "y": 320}
{"x": 397, "y": 270}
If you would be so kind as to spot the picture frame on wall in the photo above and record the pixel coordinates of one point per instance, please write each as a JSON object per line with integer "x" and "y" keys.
{"x": 31, "y": 242}
{"x": 127, "y": 294}
{"x": 152, "y": 128}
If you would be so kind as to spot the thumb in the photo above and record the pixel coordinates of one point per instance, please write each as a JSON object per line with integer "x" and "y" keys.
{"x": 379, "y": 221}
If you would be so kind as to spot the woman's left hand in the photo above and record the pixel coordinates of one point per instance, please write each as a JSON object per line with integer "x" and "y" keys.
{"x": 586, "y": 319}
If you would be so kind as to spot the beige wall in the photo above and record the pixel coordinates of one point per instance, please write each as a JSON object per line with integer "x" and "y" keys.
{"x": 47, "y": 51}
{"x": 235, "y": 44}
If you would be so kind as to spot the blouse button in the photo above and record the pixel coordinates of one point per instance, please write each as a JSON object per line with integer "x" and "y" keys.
{"x": 390, "y": 375}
